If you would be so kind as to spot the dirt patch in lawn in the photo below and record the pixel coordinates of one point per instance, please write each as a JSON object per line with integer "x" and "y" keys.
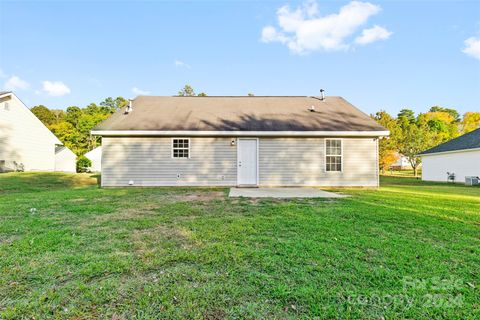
{"x": 197, "y": 196}
{"x": 161, "y": 237}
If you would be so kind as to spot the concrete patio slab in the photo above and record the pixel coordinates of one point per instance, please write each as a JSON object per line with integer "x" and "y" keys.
{"x": 282, "y": 193}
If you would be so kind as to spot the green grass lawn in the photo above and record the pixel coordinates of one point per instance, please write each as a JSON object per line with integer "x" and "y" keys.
{"x": 71, "y": 250}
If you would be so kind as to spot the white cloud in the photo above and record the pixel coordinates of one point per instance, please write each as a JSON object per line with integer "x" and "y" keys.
{"x": 181, "y": 64}
{"x": 140, "y": 92}
{"x": 472, "y": 47}
{"x": 373, "y": 34}
{"x": 55, "y": 88}
{"x": 15, "y": 83}
{"x": 304, "y": 30}
{"x": 269, "y": 34}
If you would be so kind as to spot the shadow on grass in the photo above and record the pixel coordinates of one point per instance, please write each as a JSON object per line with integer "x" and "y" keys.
{"x": 41, "y": 181}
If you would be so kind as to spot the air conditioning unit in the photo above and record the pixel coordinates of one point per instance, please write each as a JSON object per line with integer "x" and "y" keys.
{"x": 472, "y": 181}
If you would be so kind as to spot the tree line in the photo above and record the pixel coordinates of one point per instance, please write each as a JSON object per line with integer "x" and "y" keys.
{"x": 411, "y": 134}
{"x": 72, "y": 126}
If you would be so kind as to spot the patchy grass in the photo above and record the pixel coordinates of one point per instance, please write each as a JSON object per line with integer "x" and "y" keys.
{"x": 71, "y": 250}
{"x": 405, "y": 173}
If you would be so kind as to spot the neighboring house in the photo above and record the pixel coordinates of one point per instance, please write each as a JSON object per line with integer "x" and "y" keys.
{"x": 95, "y": 156}
{"x": 25, "y": 142}
{"x": 460, "y": 156}
{"x": 402, "y": 163}
{"x": 65, "y": 159}
{"x": 239, "y": 141}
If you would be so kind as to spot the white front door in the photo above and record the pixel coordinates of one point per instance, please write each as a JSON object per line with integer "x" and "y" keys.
{"x": 247, "y": 162}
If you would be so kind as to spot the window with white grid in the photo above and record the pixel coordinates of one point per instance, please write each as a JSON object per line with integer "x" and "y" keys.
{"x": 333, "y": 155}
{"x": 180, "y": 148}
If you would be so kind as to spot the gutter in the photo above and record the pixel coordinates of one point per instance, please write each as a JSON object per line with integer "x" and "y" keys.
{"x": 192, "y": 133}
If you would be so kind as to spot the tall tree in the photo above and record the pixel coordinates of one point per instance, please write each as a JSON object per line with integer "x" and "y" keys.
{"x": 44, "y": 114}
{"x": 110, "y": 105}
{"x": 440, "y": 122}
{"x": 407, "y": 114}
{"x": 470, "y": 121}
{"x": 59, "y": 114}
{"x": 92, "y": 109}
{"x": 387, "y": 152}
{"x": 413, "y": 139}
{"x": 186, "y": 91}
{"x": 73, "y": 126}
{"x": 68, "y": 135}
{"x": 73, "y": 113}
{"x": 85, "y": 124}
{"x": 454, "y": 113}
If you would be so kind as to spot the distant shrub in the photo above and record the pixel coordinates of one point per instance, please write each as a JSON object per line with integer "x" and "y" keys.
{"x": 83, "y": 164}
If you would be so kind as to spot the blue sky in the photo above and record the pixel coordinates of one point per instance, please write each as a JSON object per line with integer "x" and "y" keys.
{"x": 376, "y": 54}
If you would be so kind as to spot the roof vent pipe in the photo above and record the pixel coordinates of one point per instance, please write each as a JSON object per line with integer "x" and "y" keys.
{"x": 322, "y": 94}
{"x": 129, "y": 107}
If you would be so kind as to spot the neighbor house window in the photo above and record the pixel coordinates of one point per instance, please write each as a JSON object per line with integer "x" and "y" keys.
{"x": 333, "y": 155}
{"x": 181, "y": 148}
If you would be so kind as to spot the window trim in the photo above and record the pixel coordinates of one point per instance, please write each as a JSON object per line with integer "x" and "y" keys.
{"x": 189, "y": 148}
{"x": 325, "y": 155}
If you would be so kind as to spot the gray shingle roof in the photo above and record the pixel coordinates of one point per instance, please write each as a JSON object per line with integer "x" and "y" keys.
{"x": 240, "y": 114}
{"x": 469, "y": 140}
{"x": 59, "y": 148}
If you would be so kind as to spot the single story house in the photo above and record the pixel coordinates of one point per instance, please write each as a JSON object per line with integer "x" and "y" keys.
{"x": 26, "y": 144}
{"x": 95, "y": 156}
{"x": 459, "y": 156}
{"x": 65, "y": 160}
{"x": 240, "y": 141}
{"x": 402, "y": 163}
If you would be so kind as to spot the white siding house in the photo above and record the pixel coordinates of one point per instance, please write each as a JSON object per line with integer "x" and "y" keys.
{"x": 460, "y": 156}
{"x": 65, "y": 159}
{"x": 239, "y": 141}
{"x": 402, "y": 163}
{"x": 95, "y": 156}
{"x": 25, "y": 143}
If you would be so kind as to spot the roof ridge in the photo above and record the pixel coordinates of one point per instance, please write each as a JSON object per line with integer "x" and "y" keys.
{"x": 174, "y": 96}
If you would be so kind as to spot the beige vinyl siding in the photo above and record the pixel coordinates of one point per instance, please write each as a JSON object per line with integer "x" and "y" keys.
{"x": 301, "y": 162}
{"x": 147, "y": 161}
{"x": 23, "y": 137}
